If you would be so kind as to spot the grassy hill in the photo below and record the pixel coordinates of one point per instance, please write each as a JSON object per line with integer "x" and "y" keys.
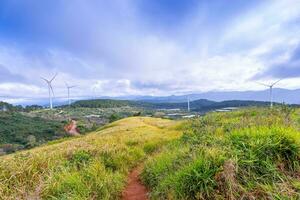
{"x": 252, "y": 153}
{"x": 94, "y": 166}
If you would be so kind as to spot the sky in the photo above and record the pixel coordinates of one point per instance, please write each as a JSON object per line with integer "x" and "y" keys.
{"x": 147, "y": 47}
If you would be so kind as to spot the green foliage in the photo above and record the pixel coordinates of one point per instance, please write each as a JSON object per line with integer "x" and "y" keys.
{"x": 6, "y": 107}
{"x": 31, "y": 141}
{"x": 151, "y": 147}
{"x": 198, "y": 178}
{"x": 32, "y": 108}
{"x": 79, "y": 184}
{"x": 11, "y": 108}
{"x": 25, "y": 132}
{"x": 102, "y": 103}
{"x": 114, "y": 117}
{"x": 80, "y": 158}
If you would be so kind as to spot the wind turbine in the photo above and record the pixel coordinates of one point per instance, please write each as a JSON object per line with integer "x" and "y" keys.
{"x": 68, "y": 88}
{"x": 271, "y": 90}
{"x": 50, "y": 89}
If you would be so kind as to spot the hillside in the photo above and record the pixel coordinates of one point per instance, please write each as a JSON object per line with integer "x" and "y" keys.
{"x": 18, "y": 131}
{"x": 252, "y": 153}
{"x": 247, "y": 154}
{"x": 94, "y": 166}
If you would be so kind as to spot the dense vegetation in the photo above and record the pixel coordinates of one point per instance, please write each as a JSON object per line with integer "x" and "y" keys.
{"x": 93, "y": 166}
{"x": 9, "y": 107}
{"x": 109, "y": 103}
{"x": 18, "y": 131}
{"x": 100, "y": 103}
{"x": 247, "y": 154}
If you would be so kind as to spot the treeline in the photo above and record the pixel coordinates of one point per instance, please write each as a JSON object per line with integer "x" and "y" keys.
{"x": 199, "y": 106}
{"x": 101, "y": 103}
{"x": 9, "y": 107}
{"x": 109, "y": 103}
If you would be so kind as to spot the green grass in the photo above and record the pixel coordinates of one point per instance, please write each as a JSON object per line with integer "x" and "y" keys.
{"x": 94, "y": 166}
{"x": 247, "y": 154}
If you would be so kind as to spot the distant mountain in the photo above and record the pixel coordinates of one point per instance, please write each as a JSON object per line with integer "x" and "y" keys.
{"x": 280, "y": 95}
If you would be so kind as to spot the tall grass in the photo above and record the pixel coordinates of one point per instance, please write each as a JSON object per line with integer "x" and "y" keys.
{"x": 247, "y": 154}
{"x": 94, "y": 166}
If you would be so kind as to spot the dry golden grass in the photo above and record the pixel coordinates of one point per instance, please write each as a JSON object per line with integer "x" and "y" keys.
{"x": 87, "y": 167}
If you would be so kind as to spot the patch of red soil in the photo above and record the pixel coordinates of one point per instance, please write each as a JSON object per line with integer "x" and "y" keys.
{"x": 72, "y": 129}
{"x": 135, "y": 189}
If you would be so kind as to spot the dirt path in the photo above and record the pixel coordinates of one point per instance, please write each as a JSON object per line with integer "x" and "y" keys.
{"x": 135, "y": 190}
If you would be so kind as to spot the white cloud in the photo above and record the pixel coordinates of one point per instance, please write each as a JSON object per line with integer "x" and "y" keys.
{"x": 115, "y": 52}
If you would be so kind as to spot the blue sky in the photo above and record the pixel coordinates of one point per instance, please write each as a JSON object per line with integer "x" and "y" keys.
{"x": 147, "y": 47}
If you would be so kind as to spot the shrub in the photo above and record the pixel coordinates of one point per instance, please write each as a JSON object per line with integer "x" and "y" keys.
{"x": 114, "y": 117}
{"x": 80, "y": 158}
{"x": 197, "y": 180}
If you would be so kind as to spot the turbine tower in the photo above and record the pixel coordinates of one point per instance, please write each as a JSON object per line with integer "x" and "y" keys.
{"x": 188, "y": 103}
{"x": 271, "y": 90}
{"x": 50, "y": 90}
{"x": 68, "y": 88}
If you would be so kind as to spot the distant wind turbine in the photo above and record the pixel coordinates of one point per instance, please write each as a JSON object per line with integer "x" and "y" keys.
{"x": 68, "y": 88}
{"x": 50, "y": 90}
{"x": 188, "y": 103}
{"x": 271, "y": 90}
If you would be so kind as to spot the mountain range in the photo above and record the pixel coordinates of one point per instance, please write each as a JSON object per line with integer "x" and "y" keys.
{"x": 279, "y": 95}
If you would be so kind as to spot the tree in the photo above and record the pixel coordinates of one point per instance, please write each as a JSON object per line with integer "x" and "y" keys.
{"x": 114, "y": 117}
{"x": 31, "y": 141}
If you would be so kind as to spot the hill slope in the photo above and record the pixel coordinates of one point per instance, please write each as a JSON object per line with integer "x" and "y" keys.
{"x": 247, "y": 154}
{"x": 94, "y": 166}
{"x": 18, "y": 131}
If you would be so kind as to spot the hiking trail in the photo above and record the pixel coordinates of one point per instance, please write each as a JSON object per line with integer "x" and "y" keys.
{"x": 135, "y": 189}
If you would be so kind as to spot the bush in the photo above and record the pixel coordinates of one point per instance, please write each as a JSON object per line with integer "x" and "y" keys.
{"x": 80, "y": 158}
{"x": 197, "y": 180}
{"x": 114, "y": 117}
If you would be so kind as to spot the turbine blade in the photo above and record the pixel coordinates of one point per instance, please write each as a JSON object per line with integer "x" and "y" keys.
{"x": 277, "y": 82}
{"x": 44, "y": 79}
{"x": 263, "y": 84}
{"x": 53, "y": 77}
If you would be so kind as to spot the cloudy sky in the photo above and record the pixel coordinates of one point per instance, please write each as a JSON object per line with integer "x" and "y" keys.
{"x": 147, "y": 47}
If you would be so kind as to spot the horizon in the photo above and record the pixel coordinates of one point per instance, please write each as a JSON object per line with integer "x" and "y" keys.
{"x": 147, "y": 48}
{"x": 216, "y": 96}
